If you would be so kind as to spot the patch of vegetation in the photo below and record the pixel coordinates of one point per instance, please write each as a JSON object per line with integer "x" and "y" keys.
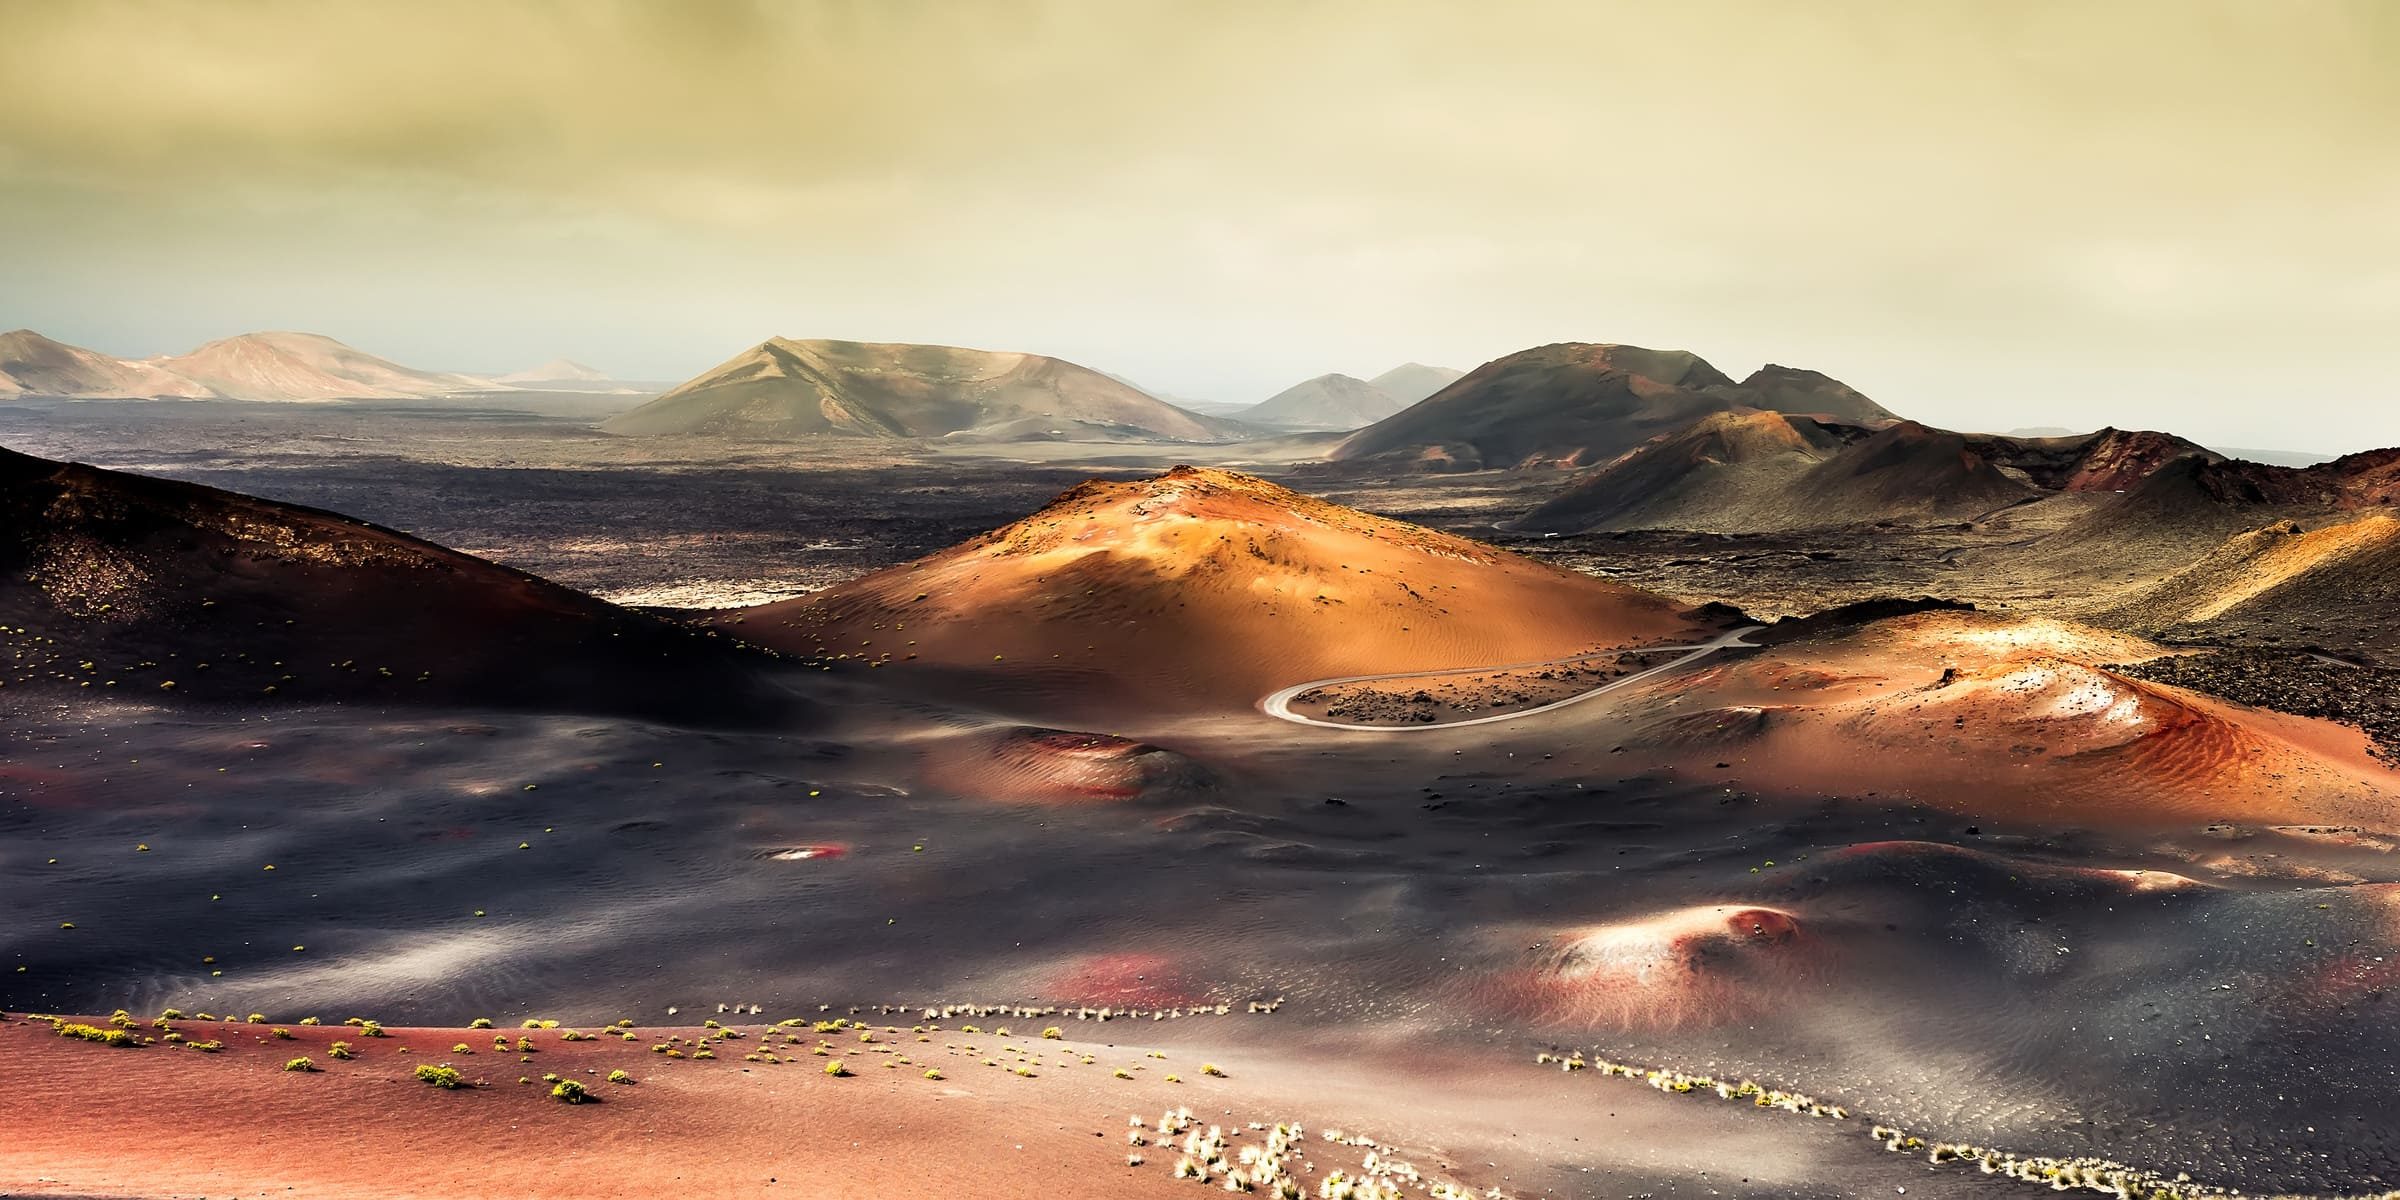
{"x": 93, "y": 1033}
{"x": 302, "y": 1064}
{"x": 444, "y": 1077}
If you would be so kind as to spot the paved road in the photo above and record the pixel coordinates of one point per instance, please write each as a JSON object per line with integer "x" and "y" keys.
{"x": 1280, "y": 704}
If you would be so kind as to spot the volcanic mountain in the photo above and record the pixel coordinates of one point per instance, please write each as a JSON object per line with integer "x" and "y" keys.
{"x": 1893, "y": 707}
{"x": 2106, "y": 460}
{"x": 1804, "y": 392}
{"x": 1204, "y": 587}
{"x": 1325, "y": 402}
{"x": 1579, "y": 404}
{"x": 2335, "y": 585}
{"x": 305, "y": 366}
{"x": 1411, "y": 382}
{"x": 1749, "y": 471}
{"x": 116, "y": 586}
{"x": 33, "y": 365}
{"x": 2187, "y": 507}
{"x": 557, "y": 370}
{"x": 783, "y": 388}
{"x": 1727, "y": 471}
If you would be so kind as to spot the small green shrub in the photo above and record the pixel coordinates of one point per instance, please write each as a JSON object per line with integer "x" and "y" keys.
{"x": 93, "y": 1033}
{"x": 619, "y": 1077}
{"x": 340, "y": 1050}
{"x": 571, "y": 1092}
{"x": 302, "y": 1064}
{"x": 835, "y": 1068}
{"x": 445, "y": 1077}
{"x": 480, "y": 1023}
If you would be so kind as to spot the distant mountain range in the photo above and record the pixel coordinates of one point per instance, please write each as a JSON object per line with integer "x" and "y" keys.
{"x": 785, "y": 388}
{"x": 273, "y": 367}
{"x": 1344, "y": 402}
{"x": 1325, "y": 402}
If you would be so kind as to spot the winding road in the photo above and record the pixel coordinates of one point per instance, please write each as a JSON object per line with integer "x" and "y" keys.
{"x": 1280, "y": 703}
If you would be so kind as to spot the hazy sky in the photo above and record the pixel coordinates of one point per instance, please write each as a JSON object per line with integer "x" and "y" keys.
{"x": 1985, "y": 214}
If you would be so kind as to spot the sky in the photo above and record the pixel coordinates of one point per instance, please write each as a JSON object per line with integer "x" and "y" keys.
{"x": 2178, "y": 215}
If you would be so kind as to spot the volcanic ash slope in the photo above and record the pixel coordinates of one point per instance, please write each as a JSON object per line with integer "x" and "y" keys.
{"x": 1204, "y": 588}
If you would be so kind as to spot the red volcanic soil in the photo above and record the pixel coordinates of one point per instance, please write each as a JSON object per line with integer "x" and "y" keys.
{"x": 1895, "y": 709}
{"x": 91, "y": 1120}
{"x": 87, "y": 1120}
{"x": 1205, "y": 588}
{"x": 2106, "y": 460}
{"x": 1129, "y": 980}
{"x": 2117, "y": 459}
{"x": 1021, "y": 765}
{"x": 1689, "y": 967}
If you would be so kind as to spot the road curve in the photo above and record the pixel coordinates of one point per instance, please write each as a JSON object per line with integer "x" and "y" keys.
{"x": 1280, "y": 703}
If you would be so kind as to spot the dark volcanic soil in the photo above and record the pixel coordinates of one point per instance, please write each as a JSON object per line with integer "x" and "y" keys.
{"x": 1436, "y": 699}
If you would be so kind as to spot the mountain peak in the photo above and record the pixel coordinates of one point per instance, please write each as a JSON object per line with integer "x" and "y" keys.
{"x": 1331, "y": 401}
{"x": 288, "y": 365}
{"x": 1413, "y": 381}
{"x": 789, "y": 387}
{"x": 557, "y": 370}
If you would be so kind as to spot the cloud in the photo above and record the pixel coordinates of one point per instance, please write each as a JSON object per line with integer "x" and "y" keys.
{"x": 1300, "y": 186}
